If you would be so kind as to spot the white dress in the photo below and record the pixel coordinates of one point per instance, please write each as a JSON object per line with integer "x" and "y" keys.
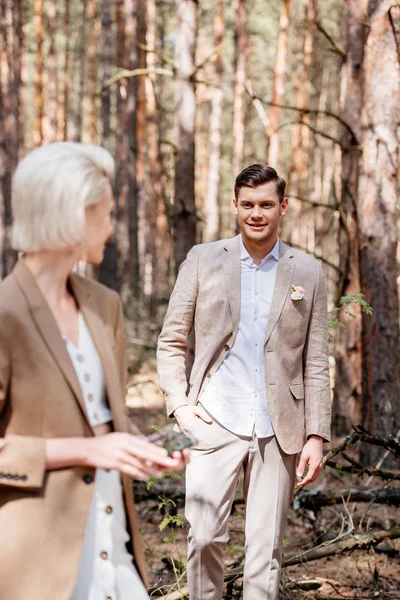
{"x": 106, "y": 570}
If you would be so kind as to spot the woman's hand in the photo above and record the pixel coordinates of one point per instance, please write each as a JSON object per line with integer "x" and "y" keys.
{"x": 130, "y": 454}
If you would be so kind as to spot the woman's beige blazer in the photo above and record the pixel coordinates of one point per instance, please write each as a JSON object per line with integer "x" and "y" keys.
{"x": 43, "y": 514}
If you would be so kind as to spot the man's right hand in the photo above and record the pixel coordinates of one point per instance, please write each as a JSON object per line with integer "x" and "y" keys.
{"x": 185, "y": 415}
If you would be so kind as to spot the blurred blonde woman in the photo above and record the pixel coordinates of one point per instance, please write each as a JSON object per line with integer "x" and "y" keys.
{"x": 67, "y": 517}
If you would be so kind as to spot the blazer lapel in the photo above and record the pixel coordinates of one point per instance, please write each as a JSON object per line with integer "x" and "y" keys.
{"x": 231, "y": 262}
{"x": 48, "y": 329}
{"x": 284, "y": 277}
{"x": 103, "y": 345}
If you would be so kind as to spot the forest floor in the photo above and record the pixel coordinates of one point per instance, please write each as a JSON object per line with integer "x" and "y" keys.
{"x": 361, "y": 574}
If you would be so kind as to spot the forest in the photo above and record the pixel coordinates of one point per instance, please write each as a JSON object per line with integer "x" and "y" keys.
{"x": 185, "y": 94}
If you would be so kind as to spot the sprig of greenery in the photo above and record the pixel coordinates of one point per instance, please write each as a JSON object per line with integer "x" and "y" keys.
{"x": 344, "y": 307}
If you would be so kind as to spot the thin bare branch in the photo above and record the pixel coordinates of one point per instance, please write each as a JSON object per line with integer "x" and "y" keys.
{"x": 206, "y": 59}
{"x": 257, "y": 104}
{"x": 135, "y": 73}
{"x": 337, "y": 48}
{"x": 310, "y": 111}
{"x": 321, "y": 133}
{"x": 159, "y": 55}
{"x": 324, "y": 260}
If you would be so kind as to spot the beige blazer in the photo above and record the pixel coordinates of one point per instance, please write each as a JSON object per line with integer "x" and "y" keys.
{"x": 43, "y": 514}
{"x": 207, "y": 297}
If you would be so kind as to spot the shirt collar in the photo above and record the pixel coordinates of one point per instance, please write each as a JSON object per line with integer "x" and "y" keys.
{"x": 244, "y": 255}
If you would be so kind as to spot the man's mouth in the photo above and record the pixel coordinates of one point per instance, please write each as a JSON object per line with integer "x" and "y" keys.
{"x": 257, "y": 226}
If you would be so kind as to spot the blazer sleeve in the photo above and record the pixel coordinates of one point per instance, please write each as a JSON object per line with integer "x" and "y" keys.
{"x": 173, "y": 339}
{"x": 22, "y": 458}
{"x": 120, "y": 340}
{"x": 316, "y": 366}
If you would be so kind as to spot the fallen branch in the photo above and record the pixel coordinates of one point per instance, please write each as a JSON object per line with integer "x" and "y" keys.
{"x": 360, "y": 434}
{"x": 359, "y": 541}
{"x": 316, "y": 499}
{"x": 371, "y": 471}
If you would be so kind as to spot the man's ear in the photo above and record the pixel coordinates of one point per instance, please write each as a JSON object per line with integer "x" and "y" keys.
{"x": 284, "y": 206}
{"x": 234, "y": 205}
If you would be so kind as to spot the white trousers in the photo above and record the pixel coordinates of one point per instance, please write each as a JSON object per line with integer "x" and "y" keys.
{"x": 106, "y": 570}
{"x": 217, "y": 459}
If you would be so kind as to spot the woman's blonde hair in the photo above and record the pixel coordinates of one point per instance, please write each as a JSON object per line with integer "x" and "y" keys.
{"x": 52, "y": 186}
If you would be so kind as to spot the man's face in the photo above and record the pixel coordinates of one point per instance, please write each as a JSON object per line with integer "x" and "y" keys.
{"x": 259, "y": 211}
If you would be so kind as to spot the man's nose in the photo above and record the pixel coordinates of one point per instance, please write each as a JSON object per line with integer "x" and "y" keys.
{"x": 256, "y": 213}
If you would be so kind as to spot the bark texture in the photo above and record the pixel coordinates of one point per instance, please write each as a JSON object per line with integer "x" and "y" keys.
{"x": 184, "y": 202}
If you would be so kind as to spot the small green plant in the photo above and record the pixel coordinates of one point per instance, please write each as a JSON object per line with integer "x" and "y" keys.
{"x": 170, "y": 521}
{"x": 345, "y": 303}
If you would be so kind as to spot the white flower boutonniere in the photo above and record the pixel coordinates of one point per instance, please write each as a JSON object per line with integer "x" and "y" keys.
{"x": 296, "y": 292}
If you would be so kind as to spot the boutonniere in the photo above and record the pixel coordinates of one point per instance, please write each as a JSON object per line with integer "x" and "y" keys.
{"x": 296, "y": 292}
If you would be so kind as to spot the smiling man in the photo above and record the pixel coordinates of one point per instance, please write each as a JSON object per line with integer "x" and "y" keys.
{"x": 259, "y": 389}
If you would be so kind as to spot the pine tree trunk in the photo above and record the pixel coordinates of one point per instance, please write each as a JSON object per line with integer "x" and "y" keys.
{"x": 80, "y": 69}
{"x": 298, "y": 177}
{"x": 184, "y": 203}
{"x": 38, "y": 134}
{"x": 239, "y": 7}
{"x": 108, "y": 271}
{"x": 130, "y": 134}
{"x": 273, "y": 135}
{"x": 106, "y": 37}
{"x": 93, "y": 19}
{"x": 347, "y": 400}
{"x": 377, "y": 215}
{"x": 11, "y": 133}
{"x": 52, "y": 71}
{"x": 212, "y": 228}
{"x": 158, "y": 242}
{"x": 64, "y": 88}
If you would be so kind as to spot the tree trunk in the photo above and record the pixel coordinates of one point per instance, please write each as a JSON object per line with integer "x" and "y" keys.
{"x": 212, "y": 228}
{"x": 80, "y": 69}
{"x": 347, "y": 399}
{"x": 377, "y": 214}
{"x": 108, "y": 271}
{"x": 52, "y": 71}
{"x": 63, "y": 103}
{"x": 158, "y": 244}
{"x": 298, "y": 177}
{"x": 239, "y": 7}
{"x": 130, "y": 133}
{"x": 273, "y": 134}
{"x": 106, "y": 35}
{"x": 92, "y": 70}
{"x": 184, "y": 203}
{"x": 11, "y": 132}
{"x": 38, "y": 134}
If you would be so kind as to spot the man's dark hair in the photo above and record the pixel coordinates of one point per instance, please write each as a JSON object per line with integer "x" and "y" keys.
{"x": 258, "y": 174}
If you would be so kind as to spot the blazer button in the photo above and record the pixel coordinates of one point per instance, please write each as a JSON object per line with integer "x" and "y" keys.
{"x": 226, "y": 348}
{"x": 87, "y": 478}
{"x": 208, "y": 374}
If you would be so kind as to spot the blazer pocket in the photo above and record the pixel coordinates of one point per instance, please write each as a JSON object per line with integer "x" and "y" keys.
{"x": 297, "y": 390}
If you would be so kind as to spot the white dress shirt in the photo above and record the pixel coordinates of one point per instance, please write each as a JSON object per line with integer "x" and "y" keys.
{"x": 236, "y": 396}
